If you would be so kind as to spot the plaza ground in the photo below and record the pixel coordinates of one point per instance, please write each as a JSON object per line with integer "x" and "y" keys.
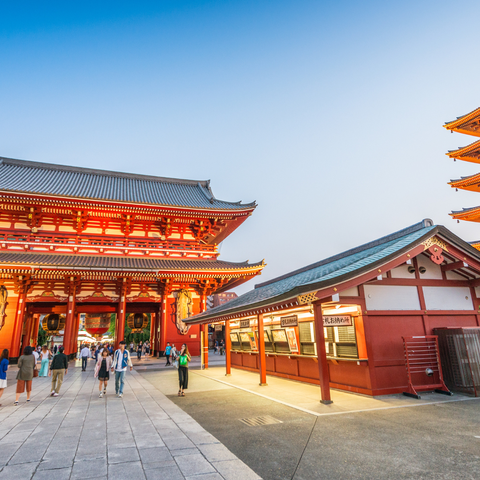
{"x": 209, "y": 434}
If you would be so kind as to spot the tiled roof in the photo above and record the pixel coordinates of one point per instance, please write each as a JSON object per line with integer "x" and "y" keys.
{"x": 86, "y": 183}
{"x": 331, "y": 271}
{"x": 127, "y": 263}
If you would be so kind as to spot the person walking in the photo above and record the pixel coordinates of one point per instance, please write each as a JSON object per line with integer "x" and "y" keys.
{"x": 58, "y": 368}
{"x": 26, "y": 366}
{"x": 139, "y": 351}
{"x": 3, "y": 371}
{"x": 168, "y": 350}
{"x": 102, "y": 369}
{"x": 85, "y": 354}
{"x": 183, "y": 359}
{"x": 173, "y": 353}
{"x": 55, "y": 348}
{"x": 132, "y": 346}
{"x": 121, "y": 360}
{"x": 44, "y": 358}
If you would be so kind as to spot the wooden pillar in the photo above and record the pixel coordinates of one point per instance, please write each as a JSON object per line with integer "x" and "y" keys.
{"x": 74, "y": 337}
{"x": 121, "y": 313}
{"x": 262, "y": 360}
{"x": 153, "y": 332}
{"x": 35, "y": 327}
{"x": 203, "y": 307}
{"x": 163, "y": 325}
{"x": 70, "y": 320}
{"x": 228, "y": 350}
{"x": 322, "y": 354}
{"x": 28, "y": 329}
{"x": 18, "y": 325}
{"x": 205, "y": 345}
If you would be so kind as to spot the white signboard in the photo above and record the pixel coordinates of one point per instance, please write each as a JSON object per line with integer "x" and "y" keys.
{"x": 337, "y": 321}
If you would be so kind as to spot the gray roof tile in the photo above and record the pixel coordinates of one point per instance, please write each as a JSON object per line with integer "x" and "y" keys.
{"x": 86, "y": 183}
{"x": 94, "y": 261}
{"x": 330, "y": 271}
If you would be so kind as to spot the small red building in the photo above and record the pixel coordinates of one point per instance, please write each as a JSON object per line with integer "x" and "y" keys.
{"x": 340, "y": 322}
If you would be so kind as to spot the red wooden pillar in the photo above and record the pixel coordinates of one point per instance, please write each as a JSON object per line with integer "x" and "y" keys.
{"x": 205, "y": 345}
{"x": 70, "y": 321}
{"x": 121, "y": 313}
{"x": 228, "y": 349}
{"x": 36, "y": 326}
{"x": 322, "y": 354}
{"x": 153, "y": 332}
{"x": 28, "y": 330}
{"x": 18, "y": 325}
{"x": 203, "y": 307}
{"x": 262, "y": 361}
{"x": 74, "y": 339}
{"x": 163, "y": 325}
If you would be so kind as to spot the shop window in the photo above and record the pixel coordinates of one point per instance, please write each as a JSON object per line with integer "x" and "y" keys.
{"x": 280, "y": 340}
{"x": 245, "y": 339}
{"x": 236, "y": 345}
{"x": 340, "y": 342}
{"x": 269, "y": 345}
{"x": 306, "y": 333}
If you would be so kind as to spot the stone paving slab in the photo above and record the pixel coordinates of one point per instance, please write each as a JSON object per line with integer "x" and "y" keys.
{"x": 78, "y": 435}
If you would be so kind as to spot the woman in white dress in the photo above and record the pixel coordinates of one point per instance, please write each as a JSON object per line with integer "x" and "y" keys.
{"x": 45, "y": 359}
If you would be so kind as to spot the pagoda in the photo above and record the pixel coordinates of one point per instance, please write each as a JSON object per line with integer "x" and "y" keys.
{"x": 470, "y": 125}
{"x": 78, "y": 240}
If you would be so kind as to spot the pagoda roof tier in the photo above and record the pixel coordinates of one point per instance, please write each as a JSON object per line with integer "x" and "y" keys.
{"x": 470, "y": 153}
{"x": 471, "y": 214}
{"x": 28, "y": 177}
{"x": 98, "y": 263}
{"x": 469, "y": 123}
{"x": 472, "y": 183}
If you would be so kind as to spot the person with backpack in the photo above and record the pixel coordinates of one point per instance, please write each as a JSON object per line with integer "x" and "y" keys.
{"x": 183, "y": 359}
{"x": 121, "y": 360}
{"x": 168, "y": 351}
{"x": 58, "y": 369}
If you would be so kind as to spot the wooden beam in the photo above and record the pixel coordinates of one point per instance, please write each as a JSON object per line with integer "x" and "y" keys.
{"x": 453, "y": 266}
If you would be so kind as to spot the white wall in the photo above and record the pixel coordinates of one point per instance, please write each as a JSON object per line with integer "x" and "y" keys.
{"x": 349, "y": 292}
{"x": 402, "y": 272}
{"x": 448, "y": 298}
{"x": 433, "y": 270}
{"x": 390, "y": 297}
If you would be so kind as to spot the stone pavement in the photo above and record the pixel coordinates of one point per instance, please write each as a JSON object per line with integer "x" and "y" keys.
{"x": 80, "y": 436}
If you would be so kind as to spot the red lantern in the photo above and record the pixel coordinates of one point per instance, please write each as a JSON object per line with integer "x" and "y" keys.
{"x": 97, "y": 324}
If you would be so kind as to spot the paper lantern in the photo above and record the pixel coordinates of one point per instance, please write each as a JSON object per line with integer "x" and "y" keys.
{"x": 97, "y": 324}
{"x": 137, "y": 322}
{"x": 53, "y": 323}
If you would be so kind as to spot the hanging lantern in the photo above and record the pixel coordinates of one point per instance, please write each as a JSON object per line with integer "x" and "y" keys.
{"x": 53, "y": 323}
{"x": 137, "y": 322}
{"x": 97, "y": 324}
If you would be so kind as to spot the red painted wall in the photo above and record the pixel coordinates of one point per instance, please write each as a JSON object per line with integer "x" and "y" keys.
{"x": 192, "y": 338}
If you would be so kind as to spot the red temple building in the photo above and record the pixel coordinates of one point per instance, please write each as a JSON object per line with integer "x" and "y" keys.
{"x": 78, "y": 240}
{"x": 468, "y": 124}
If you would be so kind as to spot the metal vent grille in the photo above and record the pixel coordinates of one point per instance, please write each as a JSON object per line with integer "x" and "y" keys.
{"x": 346, "y": 334}
{"x": 347, "y": 351}
{"x": 258, "y": 421}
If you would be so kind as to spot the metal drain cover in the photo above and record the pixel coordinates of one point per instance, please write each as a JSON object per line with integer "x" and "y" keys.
{"x": 257, "y": 421}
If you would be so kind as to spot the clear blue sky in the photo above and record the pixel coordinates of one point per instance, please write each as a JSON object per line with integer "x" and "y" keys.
{"x": 329, "y": 114}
